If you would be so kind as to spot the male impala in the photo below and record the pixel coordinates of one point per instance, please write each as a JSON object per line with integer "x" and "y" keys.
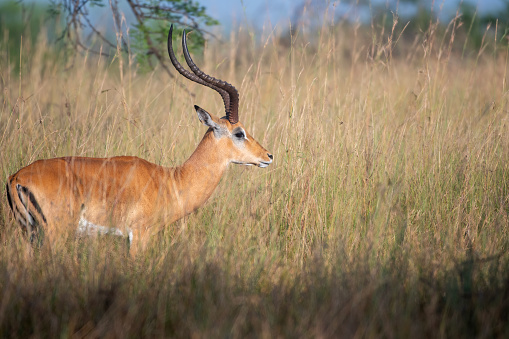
{"x": 126, "y": 195}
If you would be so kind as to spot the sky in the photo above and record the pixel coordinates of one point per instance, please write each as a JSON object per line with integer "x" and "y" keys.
{"x": 279, "y": 12}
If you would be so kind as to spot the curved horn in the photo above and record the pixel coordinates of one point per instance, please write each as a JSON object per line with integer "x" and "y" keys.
{"x": 193, "y": 77}
{"x": 232, "y": 112}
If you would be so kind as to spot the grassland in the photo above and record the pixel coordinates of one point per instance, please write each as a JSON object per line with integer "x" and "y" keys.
{"x": 385, "y": 212}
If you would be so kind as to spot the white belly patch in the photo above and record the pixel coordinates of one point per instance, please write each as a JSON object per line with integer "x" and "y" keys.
{"x": 88, "y": 228}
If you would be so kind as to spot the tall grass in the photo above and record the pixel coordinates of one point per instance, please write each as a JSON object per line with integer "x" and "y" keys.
{"x": 385, "y": 212}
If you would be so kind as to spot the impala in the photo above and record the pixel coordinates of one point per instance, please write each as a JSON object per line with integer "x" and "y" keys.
{"x": 126, "y": 195}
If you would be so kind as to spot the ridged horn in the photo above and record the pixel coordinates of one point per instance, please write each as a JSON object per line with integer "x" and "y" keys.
{"x": 232, "y": 111}
{"x": 193, "y": 77}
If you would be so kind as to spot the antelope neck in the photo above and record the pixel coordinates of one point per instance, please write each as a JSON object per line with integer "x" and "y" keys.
{"x": 197, "y": 178}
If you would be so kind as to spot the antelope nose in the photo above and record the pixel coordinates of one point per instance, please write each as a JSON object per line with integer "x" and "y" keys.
{"x": 270, "y": 156}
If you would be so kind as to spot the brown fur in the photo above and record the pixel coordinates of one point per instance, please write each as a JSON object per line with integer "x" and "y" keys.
{"x": 127, "y": 192}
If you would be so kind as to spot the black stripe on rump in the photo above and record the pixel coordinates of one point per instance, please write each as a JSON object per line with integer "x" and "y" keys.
{"x": 9, "y": 196}
{"x": 20, "y": 218}
{"x": 31, "y": 197}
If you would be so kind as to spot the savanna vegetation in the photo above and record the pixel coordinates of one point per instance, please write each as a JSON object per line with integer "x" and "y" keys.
{"x": 385, "y": 212}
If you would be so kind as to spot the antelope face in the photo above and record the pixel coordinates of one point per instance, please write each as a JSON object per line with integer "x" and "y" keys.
{"x": 233, "y": 139}
{"x": 235, "y": 143}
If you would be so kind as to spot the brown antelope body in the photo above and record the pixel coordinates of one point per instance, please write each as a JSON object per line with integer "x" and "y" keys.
{"x": 129, "y": 196}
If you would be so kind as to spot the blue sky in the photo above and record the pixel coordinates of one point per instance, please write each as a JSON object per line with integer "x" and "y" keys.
{"x": 260, "y": 12}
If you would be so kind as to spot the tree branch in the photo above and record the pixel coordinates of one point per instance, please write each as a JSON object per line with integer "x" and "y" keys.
{"x": 152, "y": 48}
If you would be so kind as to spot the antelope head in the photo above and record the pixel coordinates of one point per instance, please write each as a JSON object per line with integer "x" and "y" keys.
{"x": 236, "y": 144}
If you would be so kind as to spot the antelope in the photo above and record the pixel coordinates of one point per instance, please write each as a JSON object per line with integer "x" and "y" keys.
{"x": 128, "y": 196}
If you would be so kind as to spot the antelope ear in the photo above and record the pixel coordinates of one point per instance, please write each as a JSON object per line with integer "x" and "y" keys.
{"x": 206, "y": 118}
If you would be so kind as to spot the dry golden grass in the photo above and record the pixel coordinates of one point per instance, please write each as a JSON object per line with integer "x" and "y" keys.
{"x": 385, "y": 212}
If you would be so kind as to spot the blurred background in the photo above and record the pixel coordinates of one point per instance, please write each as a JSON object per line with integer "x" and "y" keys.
{"x": 93, "y": 24}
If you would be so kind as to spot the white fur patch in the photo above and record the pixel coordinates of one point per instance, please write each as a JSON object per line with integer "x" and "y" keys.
{"x": 88, "y": 228}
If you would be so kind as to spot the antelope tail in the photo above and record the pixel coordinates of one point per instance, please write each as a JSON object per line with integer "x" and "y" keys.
{"x": 26, "y": 210}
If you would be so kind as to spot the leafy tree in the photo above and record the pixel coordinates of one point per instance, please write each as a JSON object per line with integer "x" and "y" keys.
{"x": 152, "y": 19}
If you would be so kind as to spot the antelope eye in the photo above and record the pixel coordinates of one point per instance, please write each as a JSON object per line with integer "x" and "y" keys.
{"x": 240, "y": 135}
